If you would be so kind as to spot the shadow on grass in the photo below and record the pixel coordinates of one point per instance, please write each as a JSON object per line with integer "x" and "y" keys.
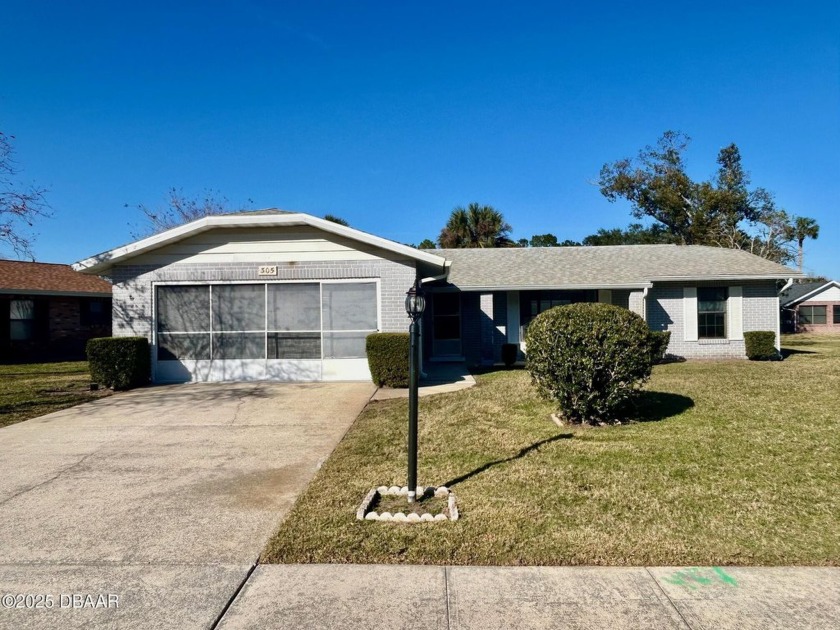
{"x": 786, "y": 352}
{"x": 522, "y": 453}
{"x": 655, "y": 406}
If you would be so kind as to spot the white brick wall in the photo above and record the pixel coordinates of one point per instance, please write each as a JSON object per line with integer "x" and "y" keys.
{"x": 665, "y": 312}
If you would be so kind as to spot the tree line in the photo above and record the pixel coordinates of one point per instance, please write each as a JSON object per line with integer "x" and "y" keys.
{"x": 723, "y": 211}
{"x": 668, "y": 206}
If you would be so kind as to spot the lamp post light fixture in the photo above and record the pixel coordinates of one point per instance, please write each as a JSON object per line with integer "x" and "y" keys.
{"x": 415, "y": 304}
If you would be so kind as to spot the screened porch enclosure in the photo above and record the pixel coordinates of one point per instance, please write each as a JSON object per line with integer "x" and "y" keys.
{"x": 312, "y": 330}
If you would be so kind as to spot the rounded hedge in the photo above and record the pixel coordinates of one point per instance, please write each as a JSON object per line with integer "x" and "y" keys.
{"x": 590, "y": 358}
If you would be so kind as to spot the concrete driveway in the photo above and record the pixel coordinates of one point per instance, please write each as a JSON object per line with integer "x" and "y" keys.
{"x": 159, "y": 499}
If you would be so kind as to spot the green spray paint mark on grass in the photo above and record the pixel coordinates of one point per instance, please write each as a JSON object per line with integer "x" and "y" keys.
{"x": 696, "y": 576}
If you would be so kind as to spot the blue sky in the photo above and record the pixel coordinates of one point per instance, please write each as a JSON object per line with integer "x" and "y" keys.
{"x": 389, "y": 114}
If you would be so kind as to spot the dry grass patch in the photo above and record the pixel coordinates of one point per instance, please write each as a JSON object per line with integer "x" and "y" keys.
{"x": 34, "y": 389}
{"x": 736, "y": 464}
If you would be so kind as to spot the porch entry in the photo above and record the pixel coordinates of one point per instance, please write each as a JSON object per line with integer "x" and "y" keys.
{"x": 446, "y": 325}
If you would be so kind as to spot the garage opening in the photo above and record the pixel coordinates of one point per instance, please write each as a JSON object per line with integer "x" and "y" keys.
{"x": 291, "y": 331}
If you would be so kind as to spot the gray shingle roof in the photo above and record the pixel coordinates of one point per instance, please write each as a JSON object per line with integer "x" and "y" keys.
{"x": 611, "y": 266}
{"x": 798, "y": 291}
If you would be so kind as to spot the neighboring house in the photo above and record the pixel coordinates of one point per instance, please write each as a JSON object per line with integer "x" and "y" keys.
{"x": 288, "y": 296}
{"x": 49, "y": 311}
{"x": 811, "y": 307}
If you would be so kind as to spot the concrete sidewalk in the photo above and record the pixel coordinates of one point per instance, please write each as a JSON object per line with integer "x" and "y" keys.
{"x": 440, "y": 378}
{"x": 487, "y": 598}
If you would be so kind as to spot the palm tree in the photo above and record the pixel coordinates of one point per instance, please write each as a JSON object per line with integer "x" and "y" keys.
{"x": 475, "y": 226}
{"x": 804, "y": 227}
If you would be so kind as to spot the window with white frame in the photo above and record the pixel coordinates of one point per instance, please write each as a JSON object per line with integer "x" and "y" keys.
{"x": 711, "y": 312}
{"x": 295, "y": 320}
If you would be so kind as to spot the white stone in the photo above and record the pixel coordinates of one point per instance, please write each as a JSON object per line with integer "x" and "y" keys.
{"x": 404, "y": 490}
{"x": 394, "y": 490}
{"x": 441, "y": 517}
{"x": 372, "y": 516}
{"x": 413, "y": 518}
{"x": 385, "y": 516}
{"x": 427, "y": 517}
{"x": 443, "y": 491}
{"x": 400, "y": 516}
{"x": 382, "y": 489}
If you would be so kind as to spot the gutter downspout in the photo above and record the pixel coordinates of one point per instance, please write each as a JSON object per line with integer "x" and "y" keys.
{"x": 644, "y": 303}
{"x": 423, "y": 281}
{"x": 779, "y": 315}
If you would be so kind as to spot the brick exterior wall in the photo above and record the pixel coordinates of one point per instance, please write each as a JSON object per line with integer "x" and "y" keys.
{"x": 133, "y": 286}
{"x": 665, "y": 312}
{"x": 829, "y": 326}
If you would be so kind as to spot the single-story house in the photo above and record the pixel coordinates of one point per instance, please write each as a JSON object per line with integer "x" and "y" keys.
{"x": 49, "y": 311}
{"x": 288, "y": 296}
{"x": 811, "y": 307}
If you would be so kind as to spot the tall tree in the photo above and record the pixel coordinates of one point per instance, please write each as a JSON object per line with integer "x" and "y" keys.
{"x": 20, "y": 204}
{"x": 723, "y": 211}
{"x": 335, "y": 219}
{"x": 475, "y": 226}
{"x": 635, "y": 234}
{"x": 180, "y": 209}
{"x": 544, "y": 240}
{"x": 427, "y": 243}
{"x": 803, "y": 228}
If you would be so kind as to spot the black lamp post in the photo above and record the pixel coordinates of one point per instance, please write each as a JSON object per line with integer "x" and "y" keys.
{"x": 415, "y": 304}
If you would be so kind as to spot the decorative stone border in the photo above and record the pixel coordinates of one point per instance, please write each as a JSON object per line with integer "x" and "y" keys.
{"x": 364, "y": 513}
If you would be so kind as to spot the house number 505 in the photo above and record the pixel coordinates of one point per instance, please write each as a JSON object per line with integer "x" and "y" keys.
{"x": 267, "y": 270}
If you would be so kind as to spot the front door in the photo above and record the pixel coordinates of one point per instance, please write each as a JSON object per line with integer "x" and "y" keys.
{"x": 446, "y": 325}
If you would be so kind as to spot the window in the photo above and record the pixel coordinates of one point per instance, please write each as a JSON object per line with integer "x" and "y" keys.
{"x": 532, "y": 303}
{"x": 813, "y": 314}
{"x": 21, "y": 320}
{"x": 306, "y": 320}
{"x": 95, "y": 313}
{"x": 837, "y": 314}
{"x": 349, "y": 316}
{"x": 294, "y": 321}
{"x": 711, "y": 313}
{"x": 183, "y": 322}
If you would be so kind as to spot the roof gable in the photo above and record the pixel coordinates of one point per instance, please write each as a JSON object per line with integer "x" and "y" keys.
{"x": 262, "y": 220}
{"x": 798, "y": 293}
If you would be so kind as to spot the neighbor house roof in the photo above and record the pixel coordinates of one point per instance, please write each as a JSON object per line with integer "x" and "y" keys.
{"x": 249, "y": 219}
{"x": 623, "y": 266}
{"x": 34, "y": 278}
{"x": 800, "y": 292}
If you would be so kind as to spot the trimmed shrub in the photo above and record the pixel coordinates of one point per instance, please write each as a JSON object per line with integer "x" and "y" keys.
{"x": 761, "y": 345}
{"x": 659, "y": 340}
{"x": 589, "y": 358}
{"x": 119, "y": 362}
{"x": 510, "y": 351}
{"x": 387, "y": 355}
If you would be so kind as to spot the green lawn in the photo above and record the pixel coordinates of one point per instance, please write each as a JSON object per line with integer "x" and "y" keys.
{"x": 34, "y": 389}
{"x": 737, "y": 464}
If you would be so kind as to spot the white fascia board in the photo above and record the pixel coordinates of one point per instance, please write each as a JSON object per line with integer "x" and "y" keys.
{"x": 733, "y": 277}
{"x": 100, "y": 262}
{"x": 816, "y": 291}
{"x": 553, "y": 287}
